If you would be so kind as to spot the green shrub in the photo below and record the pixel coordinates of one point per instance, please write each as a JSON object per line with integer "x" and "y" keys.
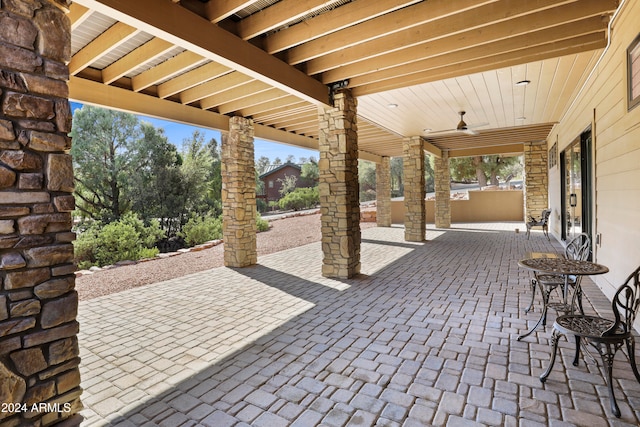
{"x": 263, "y": 224}
{"x": 202, "y": 229}
{"x": 125, "y": 239}
{"x": 300, "y": 198}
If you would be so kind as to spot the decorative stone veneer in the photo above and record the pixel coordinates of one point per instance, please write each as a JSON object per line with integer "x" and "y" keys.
{"x": 339, "y": 194}
{"x": 239, "y": 194}
{"x": 536, "y": 178}
{"x": 443, "y": 191}
{"x": 414, "y": 189}
{"x": 38, "y": 304}
{"x": 383, "y": 193}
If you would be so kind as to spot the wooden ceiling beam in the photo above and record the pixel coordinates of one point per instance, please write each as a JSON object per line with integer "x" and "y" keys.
{"x": 515, "y": 44}
{"x": 192, "y": 78}
{"x": 113, "y": 37}
{"x": 488, "y": 151}
{"x": 278, "y": 113}
{"x": 283, "y": 121}
{"x": 557, "y": 49}
{"x": 166, "y": 70}
{"x": 447, "y": 35}
{"x": 213, "y": 87}
{"x": 77, "y": 15}
{"x": 277, "y": 15}
{"x": 232, "y": 94}
{"x": 250, "y": 100}
{"x": 177, "y": 25}
{"x": 329, "y": 22}
{"x": 216, "y": 11}
{"x": 399, "y": 20}
{"x": 136, "y": 58}
{"x": 95, "y": 93}
{"x": 268, "y": 106}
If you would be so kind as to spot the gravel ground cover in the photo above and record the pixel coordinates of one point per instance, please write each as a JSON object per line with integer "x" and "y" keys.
{"x": 284, "y": 234}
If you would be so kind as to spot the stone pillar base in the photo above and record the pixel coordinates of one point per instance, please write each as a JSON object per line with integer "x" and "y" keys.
{"x": 239, "y": 194}
{"x": 443, "y": 191}
{"x": 339, "y": 192}
{"x": 536, "y": 179}
{"x": 415, "y": 217}
{"x": 383, "y": 193}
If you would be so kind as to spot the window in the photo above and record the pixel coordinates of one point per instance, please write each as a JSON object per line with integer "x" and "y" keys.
{"x": 633, "y": 72}
{"x": 270, "y": 184}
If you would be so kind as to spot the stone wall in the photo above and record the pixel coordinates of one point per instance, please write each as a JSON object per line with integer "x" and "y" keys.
{"x": 239, "y": 194}
{"x": 383, "y": 193}
{"x": 339, "y": 193}
{"x": 414, "y": 189}
{"x": 443, "y": 191}
{"x": 38, "y": 304}
{"x": 536, "y": 178}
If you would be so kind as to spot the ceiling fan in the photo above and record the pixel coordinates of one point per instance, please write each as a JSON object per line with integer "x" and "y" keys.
{"x": 462, "y": 127}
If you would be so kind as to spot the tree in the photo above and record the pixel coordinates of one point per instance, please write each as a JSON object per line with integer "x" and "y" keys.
{"x": 310, "y": 172}
{"x": 287, "y": 185}
{"x": 290, "y": 159}
{"x": 483, "y": 169}
{"x": 214, "y": 192}
{"x": 261, "y": 164}
{"x": 397, "y": 175}
{"x": 157, "y": 186}
{"x": 105, "y": 158}
{"x": 196, "y": 168}
{"x": 367, "y": 180}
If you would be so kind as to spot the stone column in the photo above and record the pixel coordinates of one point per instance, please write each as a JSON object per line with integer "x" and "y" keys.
{"x": 239, "y": 194}
{"x": 415, "y": 216}
{"x": 339, "y": 195}
{"x": 443, "y": 191}
{"x": 536, "y": 179}
{"x": 38, "y": 304}
{"x": 383, "y": 193}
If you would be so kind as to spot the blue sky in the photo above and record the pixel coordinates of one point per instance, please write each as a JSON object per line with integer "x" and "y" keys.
{"x": 176, "y": 132}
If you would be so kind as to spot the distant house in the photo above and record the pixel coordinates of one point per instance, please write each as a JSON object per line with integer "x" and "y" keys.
{"x": 273, "y": 176}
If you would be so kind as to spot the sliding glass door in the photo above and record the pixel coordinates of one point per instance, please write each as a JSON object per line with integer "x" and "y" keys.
{"x": 576, "y": 187}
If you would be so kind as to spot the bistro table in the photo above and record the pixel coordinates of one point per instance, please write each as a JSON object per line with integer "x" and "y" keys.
{"x": 564, "y": 267}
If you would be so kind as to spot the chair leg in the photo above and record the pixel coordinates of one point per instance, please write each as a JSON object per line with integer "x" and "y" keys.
{"x": 576, "y": 357}
{"x": 554, "y": 349}
{"x": 543, "y": 316}
{"x": 528, "y": 232}
{"x": 631, "y": 349}
{"x": 607, "y": 361}
{"x": 579, "y": 299}
{"x": 534, "y": 285}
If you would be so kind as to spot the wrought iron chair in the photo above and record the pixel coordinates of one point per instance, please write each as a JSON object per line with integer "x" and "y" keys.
{"x": 578, "y": 248}
{"x": 543, "y": 222}
{"x": 605, "y": 335}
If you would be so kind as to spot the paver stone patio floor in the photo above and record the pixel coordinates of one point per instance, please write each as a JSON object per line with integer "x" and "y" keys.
{"x": 426, "y": 335}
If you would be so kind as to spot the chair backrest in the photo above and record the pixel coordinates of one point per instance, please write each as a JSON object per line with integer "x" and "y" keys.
{"x": 544, "y": 217}
{"x": 578, "y": 248}
{"x": 625, "y": 305}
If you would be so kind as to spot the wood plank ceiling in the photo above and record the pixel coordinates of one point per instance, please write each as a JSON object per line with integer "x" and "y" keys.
{"x": 413, "y": 65}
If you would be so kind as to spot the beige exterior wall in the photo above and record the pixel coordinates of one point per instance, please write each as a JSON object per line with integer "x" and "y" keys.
{"x": 616, "y": 141}
{"x": 481, "y": 207}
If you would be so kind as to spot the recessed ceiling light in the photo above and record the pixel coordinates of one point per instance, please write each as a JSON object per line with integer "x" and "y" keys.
{"x": 523, "y": 82}
{"x": 427, "y": 130}
{"x": 392, "y": 105}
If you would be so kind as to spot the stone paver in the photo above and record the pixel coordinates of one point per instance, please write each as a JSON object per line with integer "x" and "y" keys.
{"x": 426, "y": 335}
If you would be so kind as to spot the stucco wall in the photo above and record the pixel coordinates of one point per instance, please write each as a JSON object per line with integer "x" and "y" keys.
{"x": 616, "y": 140}
{"x": 482, "y": 206}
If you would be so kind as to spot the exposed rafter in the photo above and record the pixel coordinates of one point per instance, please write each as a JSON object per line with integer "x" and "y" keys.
{"x": 177, "y": 25}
